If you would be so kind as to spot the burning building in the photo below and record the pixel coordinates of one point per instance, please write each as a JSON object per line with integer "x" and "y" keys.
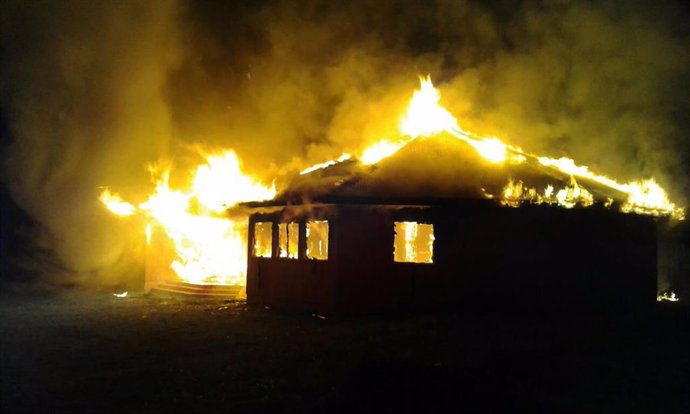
{"x": 439, "y": 216}
{"x": 368, "y": 238}
{"x": 437, "y": 224}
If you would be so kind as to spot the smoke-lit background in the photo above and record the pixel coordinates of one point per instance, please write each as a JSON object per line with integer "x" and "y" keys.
{"x": 92, "y": 92}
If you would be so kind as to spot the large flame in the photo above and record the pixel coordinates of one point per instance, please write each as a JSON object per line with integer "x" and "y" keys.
{"x": 210, "y": 247}
{"x": 425, "y": 116}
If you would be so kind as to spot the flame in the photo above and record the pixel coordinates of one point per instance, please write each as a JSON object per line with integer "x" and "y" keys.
{"x": 413, "y": 242}
{"x": 573, "y": 194}
{"x": 643, "y": 197}
{"x": 210, "y": 247}
{"x": 425, "y": 116}
{"x": 380, "y": 150}
{"x": 410, "y": 236}
{"x": 492, "y": 149}
{"x": 666, "y": 297}
{"x": 220, "y": 183}
{"x": 647, "y": 197}
{"x": 115, "y": 204}
{"x": 343, "y": 157}
{"x": 515, "y": 193}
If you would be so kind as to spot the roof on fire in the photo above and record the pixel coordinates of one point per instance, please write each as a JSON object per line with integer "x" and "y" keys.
{"x": 431, "y": 170}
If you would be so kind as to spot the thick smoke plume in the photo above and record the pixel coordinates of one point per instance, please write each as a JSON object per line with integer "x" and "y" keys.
{"x": 96, "y": 90}
{"x": 84, "y": 99}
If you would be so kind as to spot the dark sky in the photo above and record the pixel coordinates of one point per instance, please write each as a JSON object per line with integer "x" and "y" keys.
{"x": 93, "y": 91}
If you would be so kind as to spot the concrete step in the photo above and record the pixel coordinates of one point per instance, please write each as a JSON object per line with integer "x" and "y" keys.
{"x": 225, "y": 291}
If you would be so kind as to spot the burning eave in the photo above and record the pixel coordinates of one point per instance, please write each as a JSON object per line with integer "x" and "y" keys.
{"x": 428, "y": 170}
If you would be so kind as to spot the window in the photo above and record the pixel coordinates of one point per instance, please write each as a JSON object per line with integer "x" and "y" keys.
{"x": 317, "y": 240}
{"x": 288, "y": 240}
{"x": 263, "y": 239}
{"x": 413, "y": 242}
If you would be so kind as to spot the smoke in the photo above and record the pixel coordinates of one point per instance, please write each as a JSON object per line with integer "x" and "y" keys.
{"x": 602, "y": 83}
{"x": 85, "y": 104}
{"x": 598, "y": 83}
{"x": 95, "y": 91}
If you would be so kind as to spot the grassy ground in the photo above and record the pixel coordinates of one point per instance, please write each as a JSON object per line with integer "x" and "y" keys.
{"x": 97, "y": 353}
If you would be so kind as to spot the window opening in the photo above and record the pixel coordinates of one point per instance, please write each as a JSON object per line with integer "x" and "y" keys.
{"x": 317, "y": 240}
{"x": 413, "y": 242}
{"x": 263, "y": 239}
{"x": 288, "y": 240}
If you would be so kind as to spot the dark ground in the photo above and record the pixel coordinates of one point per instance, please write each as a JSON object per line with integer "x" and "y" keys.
{"x": 96, "y": 353}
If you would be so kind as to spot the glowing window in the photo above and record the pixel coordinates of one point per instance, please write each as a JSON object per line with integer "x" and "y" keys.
{"x": 317, "y": 240}
{"x": 263, "y": 239}
{"x": 414, "y": 242}
{"x": 288, "y": 240}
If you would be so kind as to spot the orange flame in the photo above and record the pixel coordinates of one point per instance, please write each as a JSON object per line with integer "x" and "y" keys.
{"x": 424, "y": 116}
{"x": 210, "y": 247}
